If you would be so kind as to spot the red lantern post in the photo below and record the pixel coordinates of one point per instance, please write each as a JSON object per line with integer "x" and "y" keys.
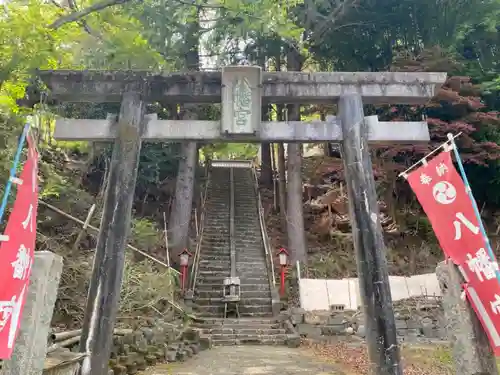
{"x": 283, "y": 257}
{"x": 184, "y": 256}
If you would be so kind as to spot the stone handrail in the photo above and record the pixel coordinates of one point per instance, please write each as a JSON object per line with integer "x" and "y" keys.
{"x": 196, "y": 258}
{"x": 265, "y": 237}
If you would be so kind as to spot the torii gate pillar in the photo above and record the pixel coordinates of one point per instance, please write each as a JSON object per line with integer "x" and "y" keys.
{"x": 109, "y": 259}
{"x": 368, "y": 240}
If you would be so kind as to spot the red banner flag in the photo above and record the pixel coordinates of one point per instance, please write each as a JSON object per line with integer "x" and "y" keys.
{"x": 444, "y": 198}
{"x": 16, "y": 253}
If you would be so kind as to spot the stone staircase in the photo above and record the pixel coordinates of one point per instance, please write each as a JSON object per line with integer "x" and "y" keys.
{"x": 215, "y": 258}
{"x": 251, "y": 266}
{"x": 256, "y": 324}
{"x": 244, "y": 331}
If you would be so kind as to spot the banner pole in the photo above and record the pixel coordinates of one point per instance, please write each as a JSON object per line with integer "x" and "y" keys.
{"x": 12, "y": 175}
{"x": 473, "y": 200}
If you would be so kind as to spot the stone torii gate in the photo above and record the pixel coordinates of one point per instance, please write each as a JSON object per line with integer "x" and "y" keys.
{"x": 242, "y": 91}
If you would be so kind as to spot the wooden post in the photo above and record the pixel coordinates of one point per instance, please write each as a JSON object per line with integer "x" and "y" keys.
{"x": 84, "y": 228}
{"x": 383, "y": 348}
{"x": 109, "y": 259}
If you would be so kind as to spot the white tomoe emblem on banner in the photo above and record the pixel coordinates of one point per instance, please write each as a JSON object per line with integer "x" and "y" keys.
{"x": 444, "y": 192}
{"x": 458, "y": 225}
{"x": 481, "y": 265}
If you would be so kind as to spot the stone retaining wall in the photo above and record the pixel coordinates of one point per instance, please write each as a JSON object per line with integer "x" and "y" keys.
{"x": 161, "y": 342}
{"x": 154, "y": 342}
{"x": 416, "y": 319}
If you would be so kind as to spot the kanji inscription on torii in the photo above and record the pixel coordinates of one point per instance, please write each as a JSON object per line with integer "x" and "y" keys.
{"x": 241, "y": 99}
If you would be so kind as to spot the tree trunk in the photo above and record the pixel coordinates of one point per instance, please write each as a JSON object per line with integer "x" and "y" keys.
{"x": 266, "y": 171}
{"x": 180, "y": 214}
{"x": 326, "y": 145}
{"x": 295, "y": 213}
{"x": 282, "y": 184}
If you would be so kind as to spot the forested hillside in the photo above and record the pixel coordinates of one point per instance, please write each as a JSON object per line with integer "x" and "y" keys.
{"x": 460, "y": 38}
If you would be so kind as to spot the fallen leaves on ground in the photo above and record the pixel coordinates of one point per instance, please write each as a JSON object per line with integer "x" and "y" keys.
{"x": 354, "y": 359}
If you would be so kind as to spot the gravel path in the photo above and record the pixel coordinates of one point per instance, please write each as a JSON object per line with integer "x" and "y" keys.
{"x": 248, "y": 360}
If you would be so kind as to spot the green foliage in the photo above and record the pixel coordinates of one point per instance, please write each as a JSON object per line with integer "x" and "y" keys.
{"x": 28, "y": 44}
{"x": 242, "y": 151}
{"x": 145, "y": 234}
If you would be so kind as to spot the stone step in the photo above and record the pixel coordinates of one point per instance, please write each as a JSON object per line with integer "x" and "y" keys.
{"x": 217, "y": 212}
{"x": 215, "y": 227}
{"x": 214, "y": 258}
{"x": 223, "y": 256}
{"x": 212, "y": 244}
{"x": 257, "y": 274}
{"x": 209, "y": 274}
{"x": 215, "y": 236}
{"x": 215, "y": 244}
{"x": 237, "y": 322}
{"x": 240, "y": 331}
{"x": 215, "y": 240}
{"x": 218, "y": 262}
{"x": 214, "y": 279}
{"x": 250, "y": 258}
{"x": 207, "y": 286}
{"x": 221, "y": 340}
{"x": 224, "y": 342}
{"x": 216, "y": 265}
{"x": 220, "y": 313}
{"x": 246, "y": 266}
{"x": 258, "y": 267}
{"x": 250, "y": 238}
{"x": 256, "y": 327}
{"x": 244, "y": 309}
{"x": 212, "y": 208}
{"x": 214, "y": 248}
{"x": 259, "y": 260}
{"x": 245, "y": 301}
{"x": 248, "y": 294}
{"x": 215, "y": 223}
{"x": 215, "y": 290}
{"x": 221, "y": 261}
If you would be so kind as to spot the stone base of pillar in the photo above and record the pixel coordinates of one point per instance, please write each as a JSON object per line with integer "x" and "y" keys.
{"x": 472, "y": 353}
{"x": 30, "y": 347}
